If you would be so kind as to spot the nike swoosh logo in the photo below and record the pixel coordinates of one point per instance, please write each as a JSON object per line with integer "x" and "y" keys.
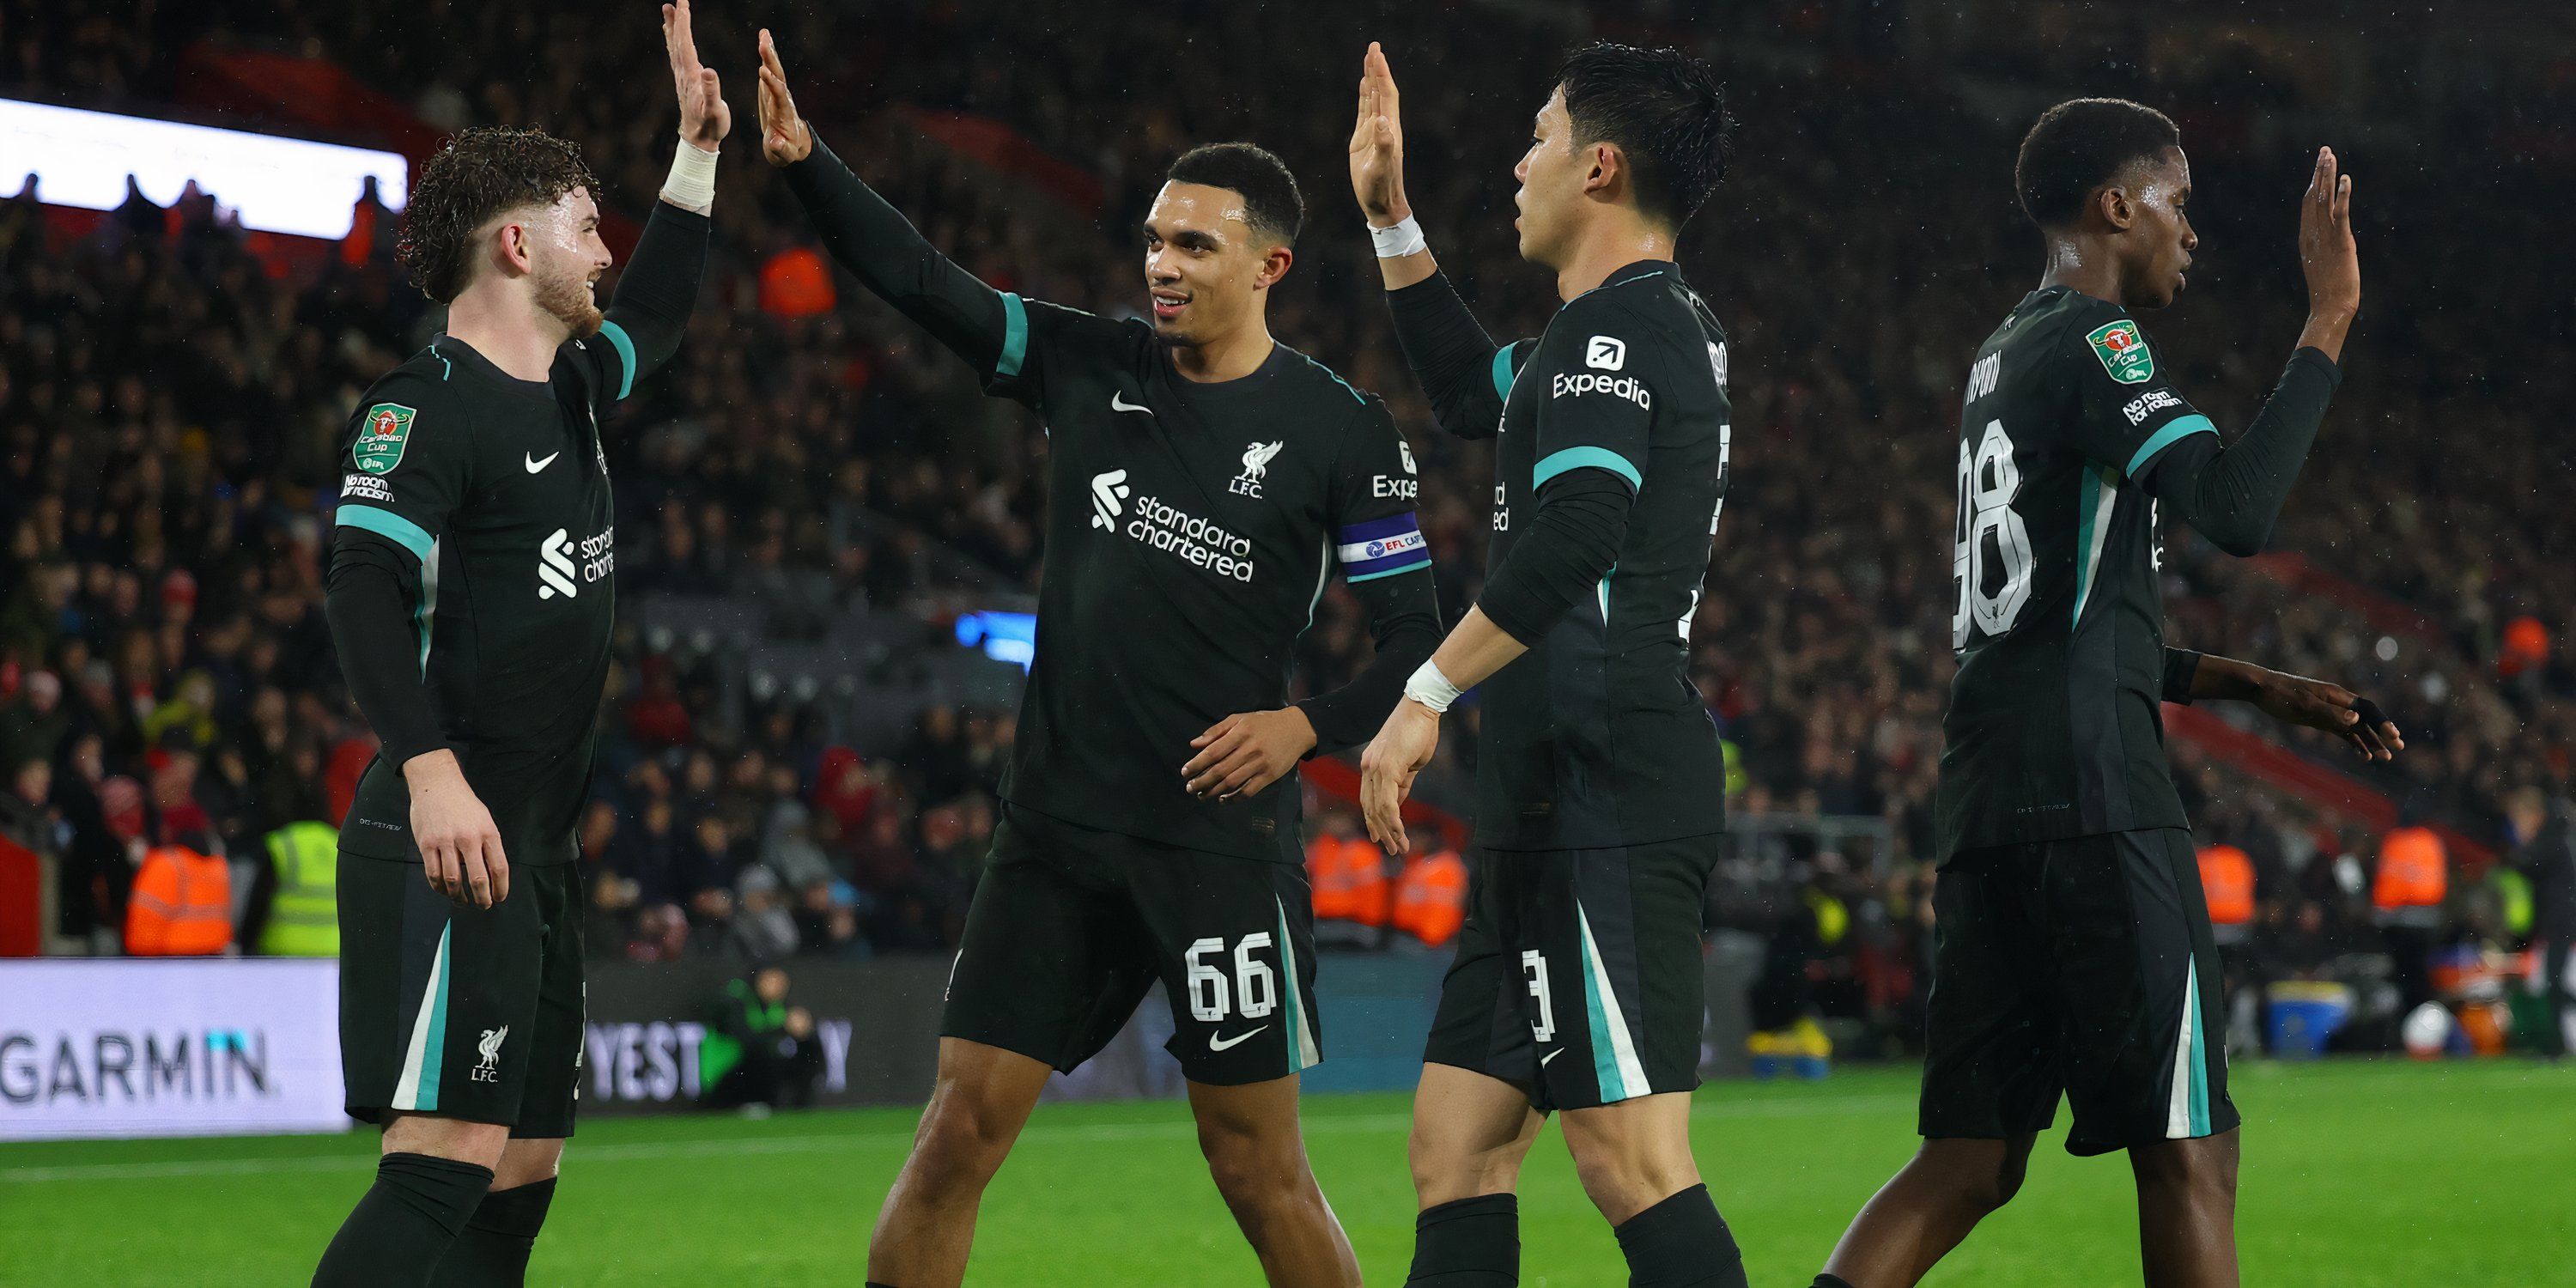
{"x": 1118, "y": 402}
{"x": 1542, "y": 1060}
{"x": 1216, "y": 1043}
{"x": 535, "y": 465}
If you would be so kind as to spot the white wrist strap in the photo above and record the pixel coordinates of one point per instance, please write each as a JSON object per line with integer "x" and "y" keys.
{"x": 1432, "y": 689}
{"x": 692, "y": 185}
{"x": 1397, "y": 242}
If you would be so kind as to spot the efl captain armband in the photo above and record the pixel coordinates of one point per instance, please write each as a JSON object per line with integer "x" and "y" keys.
{"x": 1397, "y": 242}
{"x": 1432, "y": 689}
{"x": 692, "y": 185}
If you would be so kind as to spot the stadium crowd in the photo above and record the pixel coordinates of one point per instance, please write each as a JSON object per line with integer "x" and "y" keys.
{"x": 170, "y": 391}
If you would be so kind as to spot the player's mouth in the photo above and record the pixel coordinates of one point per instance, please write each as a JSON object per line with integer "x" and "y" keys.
{"x": 1168, "y": 305}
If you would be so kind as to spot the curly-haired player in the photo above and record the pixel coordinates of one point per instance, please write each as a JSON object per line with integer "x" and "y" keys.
{"x": 470, "y": 601}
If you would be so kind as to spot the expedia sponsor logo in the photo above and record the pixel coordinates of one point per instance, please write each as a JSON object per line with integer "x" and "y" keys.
{"x": 2148, "y": 403}
{"x": 1190, "y": 538}
{"x": 1405, "y": 489}
{"x": 365, "y": 487}
{"x": 1584, "y": 382}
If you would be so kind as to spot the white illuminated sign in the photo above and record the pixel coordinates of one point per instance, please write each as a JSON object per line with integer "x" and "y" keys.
{"x": 279, "y": 185}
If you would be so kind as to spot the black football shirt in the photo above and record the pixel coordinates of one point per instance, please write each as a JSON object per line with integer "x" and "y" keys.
{"x": 1191, "y": 529}
{"x": 499, "y": 487}
{"x": 1596, "y": 737}
{"x": 2053, "y": 728}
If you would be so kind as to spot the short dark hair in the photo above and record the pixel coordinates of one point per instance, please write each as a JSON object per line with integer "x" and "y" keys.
{"x": 1271, "y": 202}
{"x": 1665, "y": 111}
{"x": 2078, "y": 146}
{"x": 479, "y": 173}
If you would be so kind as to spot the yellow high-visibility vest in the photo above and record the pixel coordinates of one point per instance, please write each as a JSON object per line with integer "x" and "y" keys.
{"x": 305, "y": 919}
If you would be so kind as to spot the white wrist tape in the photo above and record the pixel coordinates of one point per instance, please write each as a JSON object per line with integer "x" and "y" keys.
{"x": 1397, "y": 242}
{"x": 1432, "y": 689}
{"x": 692, "y": 185}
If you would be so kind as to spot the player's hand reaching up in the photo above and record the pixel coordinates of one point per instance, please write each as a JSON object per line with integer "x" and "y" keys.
{"x": 784, "y": 137}
{"x": 1402, "y": 747}
{"x": 1377, "y": 145}
{"x": 460, "y": 849}
{"x": 2320, "y": 704}
{"x": 704, "y": 117}
{"x": 2328, "y": 257}
{"x": 1245, "y": 753}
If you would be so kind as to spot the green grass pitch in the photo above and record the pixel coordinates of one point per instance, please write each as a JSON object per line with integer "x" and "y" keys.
{"x": 2356, "y": 1175}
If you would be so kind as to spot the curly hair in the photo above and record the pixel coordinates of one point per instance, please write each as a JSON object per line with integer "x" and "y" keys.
{"x": 479, "y": 173}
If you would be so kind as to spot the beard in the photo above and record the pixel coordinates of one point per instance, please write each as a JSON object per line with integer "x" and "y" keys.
{"x": 567, "y": 298}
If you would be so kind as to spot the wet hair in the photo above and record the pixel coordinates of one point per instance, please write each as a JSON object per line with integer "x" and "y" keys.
{"x": 1666, "y": 113}
{"x": 1271, "y": 203}
{"x": 479, "y": 173}
{"x": 2080, "y": 145}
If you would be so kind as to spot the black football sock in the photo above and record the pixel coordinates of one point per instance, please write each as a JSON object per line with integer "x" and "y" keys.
{"x": 1681, "y": 1243}
{"x": 1471, "y": 1243}
{"x": 493, "y": 1250}
{"x": 1831, "y": 1281}
{"x": 396, "y": 1235}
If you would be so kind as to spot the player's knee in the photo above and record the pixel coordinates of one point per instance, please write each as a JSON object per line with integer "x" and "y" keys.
{"x": 1251, "y": 1170}
{"x": 1976, "y": 1177}
{"x": 957, "y": 1143}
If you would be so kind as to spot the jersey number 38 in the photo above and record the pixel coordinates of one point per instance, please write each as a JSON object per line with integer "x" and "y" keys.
{"x": 1990, "y": 558}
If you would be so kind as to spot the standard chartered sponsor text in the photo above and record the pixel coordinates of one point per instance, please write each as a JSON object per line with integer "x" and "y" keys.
{"x": 1187, "y": 536}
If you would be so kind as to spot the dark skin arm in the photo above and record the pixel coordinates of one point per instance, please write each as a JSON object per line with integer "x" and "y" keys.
{"x": 2298, "y": 700}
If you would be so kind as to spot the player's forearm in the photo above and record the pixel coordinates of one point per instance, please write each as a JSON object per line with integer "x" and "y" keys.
{"x": 2233, "y": 495}
{"x": 1475, "y": 650}
{"x": 660, "y": 284}
{"x": 1404, "y": 620}
{"x": 1450, "y": 354}
{"x": 369, "y": 606}
{"x": 1572, "y": 543}
{"x": 2221, "y": 678}
{"x": 2325, "y": 332}
{"x": 890, "y": 257}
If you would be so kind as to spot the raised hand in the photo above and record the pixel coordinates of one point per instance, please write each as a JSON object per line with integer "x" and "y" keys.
{"x": 1377, "y": 145}
{"x": 784, "y": 137}
{"x": 2326, "y": 252}
{"x": 704, "y": 117}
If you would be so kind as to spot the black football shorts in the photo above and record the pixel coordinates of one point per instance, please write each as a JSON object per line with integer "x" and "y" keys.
{"x": 1579, "y": 976}
{"x": 1071, "y": 926}
{"x": 461, "y": 1012}
{"x": 2085, "y": 967}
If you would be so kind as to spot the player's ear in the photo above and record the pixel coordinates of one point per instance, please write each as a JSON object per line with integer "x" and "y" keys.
{"x": 511, "y": 253}
{"x": 1274, "y": 265}
{"x": 1607, "y": 166}
{"x": 2113, "y": 201}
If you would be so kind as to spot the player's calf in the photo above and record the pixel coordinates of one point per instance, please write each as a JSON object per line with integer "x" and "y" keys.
{"x": 492, "y": 1250}
{"x": 1250, "y": 1138}
{"x": 429, "y": 1180}
{"x": 1926, "y": 1209}
{"x": 1634, "y": 1160}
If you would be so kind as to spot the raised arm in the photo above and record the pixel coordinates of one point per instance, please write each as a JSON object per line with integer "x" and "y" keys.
{"x": 1463, "y": 372}
{"x": 644, "y": 322}
{"x": 875, "y": 242}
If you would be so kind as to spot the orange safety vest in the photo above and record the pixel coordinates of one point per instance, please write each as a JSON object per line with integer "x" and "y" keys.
{"x": 2227, "y": 879}
{"x": 1431, "y": 898}
{"x": 1349, "y": 876}
{"x": 181, "y": 906}
{"x": 2412, "y": 870}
